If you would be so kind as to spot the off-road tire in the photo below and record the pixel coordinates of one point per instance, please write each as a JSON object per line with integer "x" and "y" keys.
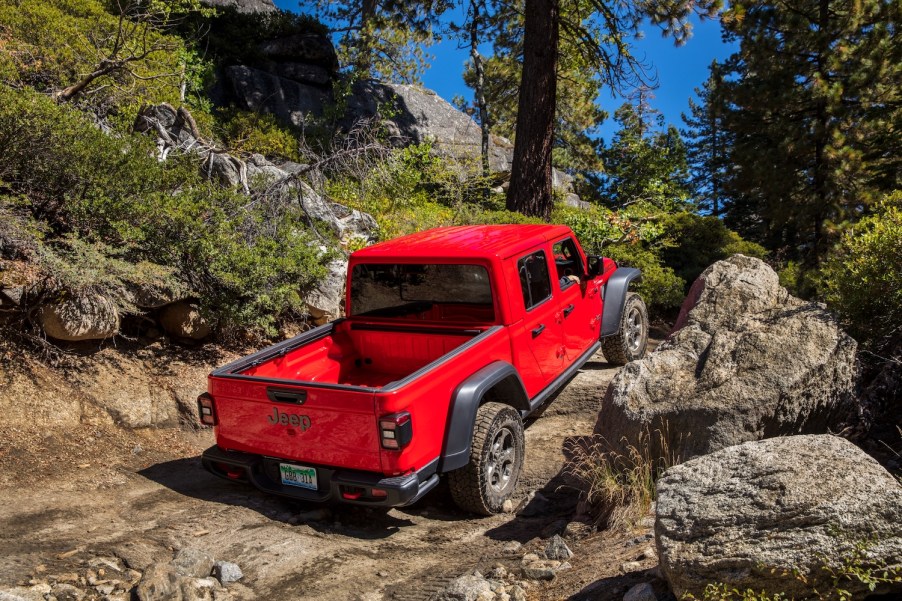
{"x": 631, "y": 339}
{"x": 496, "y": 460}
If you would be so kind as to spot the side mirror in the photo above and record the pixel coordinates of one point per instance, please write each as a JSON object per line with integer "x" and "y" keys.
{"x": 596, "y": 265}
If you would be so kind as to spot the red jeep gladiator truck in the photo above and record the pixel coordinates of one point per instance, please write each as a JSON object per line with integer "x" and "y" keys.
{"x": 453, "y": 337}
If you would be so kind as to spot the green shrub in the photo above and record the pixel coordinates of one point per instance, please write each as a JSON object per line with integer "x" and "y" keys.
{"x": 248, "y": 132}
{"x": 51, "y": 44}
{"x": 697, "y": 241}
{"x": 862, "y": 277}
{"x": 99, "y": 209}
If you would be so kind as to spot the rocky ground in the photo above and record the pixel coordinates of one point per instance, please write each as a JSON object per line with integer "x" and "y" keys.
{"x": 88, "y": 511}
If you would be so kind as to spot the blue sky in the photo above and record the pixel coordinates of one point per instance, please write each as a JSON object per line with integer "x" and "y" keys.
{"x": 679, "y": 70}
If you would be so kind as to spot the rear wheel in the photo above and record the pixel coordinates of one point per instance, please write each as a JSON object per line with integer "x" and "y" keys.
{"x": 496, "y": 459}
{"x": 631, "y": 339}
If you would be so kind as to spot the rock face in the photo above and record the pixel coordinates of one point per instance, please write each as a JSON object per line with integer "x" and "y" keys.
{"x": 86, "y": 317}
{"x": 750, "y": 515}
{"x": 264, "y": 92}
{"x": 326, "y": 301}
{"x": 748, "y": 361}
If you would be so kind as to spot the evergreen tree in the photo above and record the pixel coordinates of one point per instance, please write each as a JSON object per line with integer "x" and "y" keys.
{"x": 644, "y": 166}
{"x": 707, "y": 144}
{"x": 382, "y": 39}
{"x": 813, "y": 101}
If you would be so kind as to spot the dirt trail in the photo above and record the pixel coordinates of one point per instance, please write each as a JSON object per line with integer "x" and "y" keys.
{"x": 139, "y": 496}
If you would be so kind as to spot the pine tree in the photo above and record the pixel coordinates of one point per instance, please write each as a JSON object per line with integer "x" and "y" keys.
{"x": 382, "y": 39}
{"x": 814, "y": 105}
{"x": 707, "y": 144}
{"x": 643, "y": 166}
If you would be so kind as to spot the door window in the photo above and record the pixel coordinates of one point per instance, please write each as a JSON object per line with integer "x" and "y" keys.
{"x": 534, "y": 279}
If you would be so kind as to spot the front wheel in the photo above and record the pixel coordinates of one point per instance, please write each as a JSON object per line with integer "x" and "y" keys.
{"x": 631, "y": 339}
{"x": 496, "y": 458}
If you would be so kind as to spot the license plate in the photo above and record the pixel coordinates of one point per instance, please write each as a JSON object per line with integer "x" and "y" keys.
{"x": 298, "y": 475}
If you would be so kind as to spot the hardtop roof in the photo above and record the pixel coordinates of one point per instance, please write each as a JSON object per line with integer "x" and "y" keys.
{"x": 465, "y": 241}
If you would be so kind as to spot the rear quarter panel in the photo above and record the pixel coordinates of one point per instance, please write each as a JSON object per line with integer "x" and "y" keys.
{"x": 428, "y": 399}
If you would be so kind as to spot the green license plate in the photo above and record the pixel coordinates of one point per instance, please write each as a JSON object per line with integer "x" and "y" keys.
{"x": 298, "y": 475}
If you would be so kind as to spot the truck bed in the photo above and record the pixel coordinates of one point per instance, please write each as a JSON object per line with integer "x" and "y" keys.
{"x": 364, "y": 354}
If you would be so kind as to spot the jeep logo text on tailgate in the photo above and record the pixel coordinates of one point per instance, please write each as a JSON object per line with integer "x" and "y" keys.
{"x": 288, "y": 419}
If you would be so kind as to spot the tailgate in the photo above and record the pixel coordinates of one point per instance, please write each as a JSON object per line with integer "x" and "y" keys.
{"x": 329, "y": 426}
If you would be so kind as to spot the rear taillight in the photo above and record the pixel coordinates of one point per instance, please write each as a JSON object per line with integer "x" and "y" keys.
{"x": 396, "y": 430}
{"x": 206, "y": 409}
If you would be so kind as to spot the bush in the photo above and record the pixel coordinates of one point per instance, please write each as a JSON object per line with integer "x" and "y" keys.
{"x": 697, "y": 241}
{"x": 247, "y": 132}
{"x": 93, "y": 211}
{"x": 862, "y": 277}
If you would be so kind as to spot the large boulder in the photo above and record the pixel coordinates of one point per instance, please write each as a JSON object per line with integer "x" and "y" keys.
{"x": 748, "y": 361}
{"x": 771, "y": 515}
{"x": 326, "y": 301}
{"x": 81, "y": 317}
{"x": 262, "y": 92}
{"x": 309, "y": 48}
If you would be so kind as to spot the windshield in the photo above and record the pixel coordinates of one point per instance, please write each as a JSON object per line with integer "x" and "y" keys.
{"x": 398, "y": 290}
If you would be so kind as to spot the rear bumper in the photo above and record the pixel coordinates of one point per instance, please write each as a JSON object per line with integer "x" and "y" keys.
{"x": 347, "y": 486}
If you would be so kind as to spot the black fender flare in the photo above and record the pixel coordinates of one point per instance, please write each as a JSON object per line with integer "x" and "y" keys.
{"x": 466, "y": 400}
{"x": 615, "y": 298}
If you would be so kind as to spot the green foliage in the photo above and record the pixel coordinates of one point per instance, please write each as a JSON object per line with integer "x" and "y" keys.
{"x": 695, "y": 242}
{"x": 645, "y": 166}
{"x": 632, "y": 238}
{"x": 862, "y": 277}
{"x": 99, "y": 209}
{"x": 57, "y": 46}
{"x": 383, "y": 39}
{"x": 248, "y": 132}
{"x": 811, "y": 105}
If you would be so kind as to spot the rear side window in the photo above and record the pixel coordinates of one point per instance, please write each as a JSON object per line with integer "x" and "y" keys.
{"x": 534, "y": 280}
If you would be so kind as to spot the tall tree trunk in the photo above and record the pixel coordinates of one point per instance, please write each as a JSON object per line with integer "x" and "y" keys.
{"x": 363, "y": 61}
{"x": 821, "y": 136}
{"x": 479, "y": 88}
{"x": 530, "y": 187}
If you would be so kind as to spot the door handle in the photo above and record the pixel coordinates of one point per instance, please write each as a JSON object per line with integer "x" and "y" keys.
{"x": 538, "y": 330}
{"x": 568, "y": 310}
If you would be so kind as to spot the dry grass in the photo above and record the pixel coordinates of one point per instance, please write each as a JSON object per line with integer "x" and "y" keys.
{"x": 618, "y": 489}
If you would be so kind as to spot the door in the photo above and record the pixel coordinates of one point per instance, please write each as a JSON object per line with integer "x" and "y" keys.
{"x": 577, "y": 298}
{"x": 542, "y": 329}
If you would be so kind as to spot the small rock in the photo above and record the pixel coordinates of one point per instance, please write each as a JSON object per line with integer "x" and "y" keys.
{"x": 641, "y": 592}
{"x": 577, "y": 530}
{"x": 159, "y": 583}
{"x": 558, "y": 549}
{"x": 517, "y": 593}
{"x": 382, "y": 574}
{"x": 469, "y": 587}
{"x": 541, "y": 570}
{"x": 105, "y": 589}
{"x": 554, "y": 528}
{"x": 200, "y": 589}
{"x": 67, "y": 577}
{"x": 137, "y": 555}
{"x": 507, "y": 506}
{"x": 499, "y": 572}
{"x": 67, "y": 592}
{"x": 193, "y": 562}
{"x": 226, "y": 572}
{"x": 646, "y": 553}
{"x": 630, "y": 566}
{"x": 512, "y": 548}
{"x": 12, "y": 595}
{"x": 530, "y": 557}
